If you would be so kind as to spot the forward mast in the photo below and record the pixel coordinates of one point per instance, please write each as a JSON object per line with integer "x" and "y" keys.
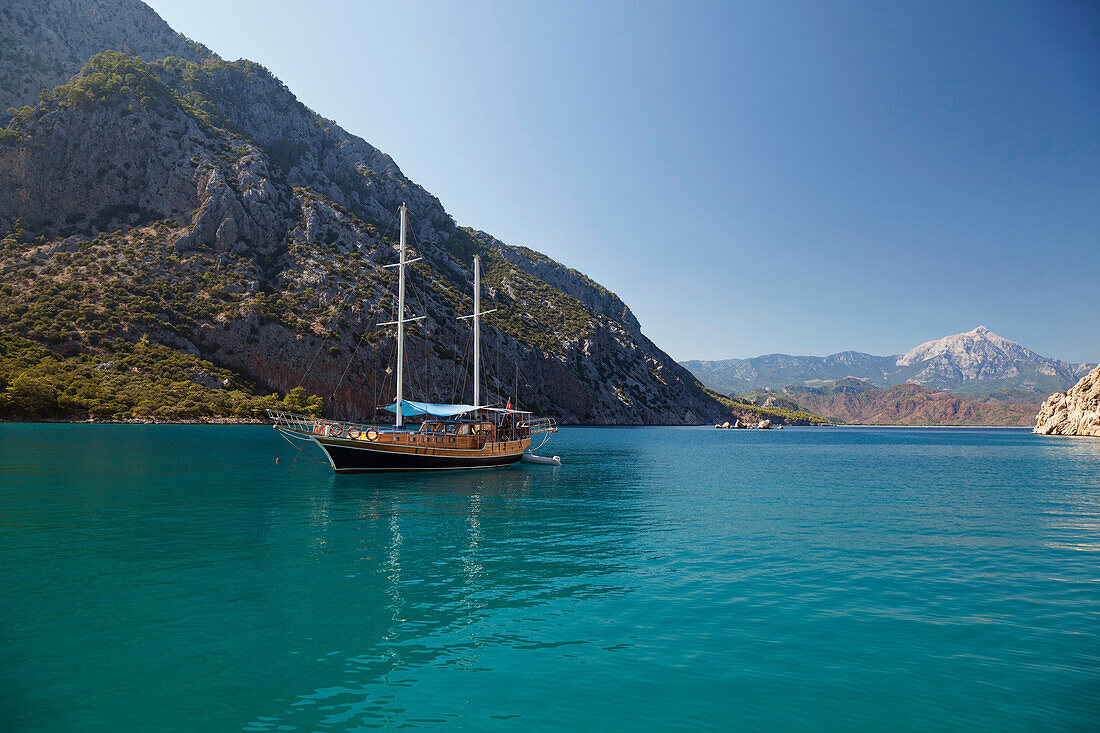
{"x": 401, "y": 320}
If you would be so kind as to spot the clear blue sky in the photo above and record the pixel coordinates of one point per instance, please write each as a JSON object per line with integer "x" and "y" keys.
{"x": 800, "y": 177}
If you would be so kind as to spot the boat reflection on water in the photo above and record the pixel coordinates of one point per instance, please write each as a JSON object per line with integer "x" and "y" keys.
{"x": 450, "y": 570}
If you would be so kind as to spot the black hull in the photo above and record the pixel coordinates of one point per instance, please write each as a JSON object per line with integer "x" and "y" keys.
{"x": 346, "y": 459}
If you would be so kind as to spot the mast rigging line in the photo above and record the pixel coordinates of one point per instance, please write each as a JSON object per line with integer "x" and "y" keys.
{"x": 336, "y": 315}
{"x": 355, "y": 353}
{"x": 324, "y": 336}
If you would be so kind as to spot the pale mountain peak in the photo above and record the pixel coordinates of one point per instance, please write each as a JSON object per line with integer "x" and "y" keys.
{"x": 970, "y": 348}
{"x": 981, "y": 333}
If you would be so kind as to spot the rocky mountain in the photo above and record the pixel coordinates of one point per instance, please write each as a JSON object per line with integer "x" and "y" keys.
{"x": 856, "y": 402}
{"x": 43, "y": 44}
{"x": 164, "y": 198}
{"x": 982, "y": 360}
{"x": 1074, "y": 412}
{"x": 979, "y": 364}
{"x": 777, "y": 370}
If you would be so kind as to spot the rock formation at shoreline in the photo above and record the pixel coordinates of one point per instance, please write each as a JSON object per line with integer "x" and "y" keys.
{"x": 1076, "y": 412}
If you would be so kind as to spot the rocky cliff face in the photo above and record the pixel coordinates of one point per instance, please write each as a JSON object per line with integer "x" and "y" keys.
{"x": 567, "y": 280}
{"x": 43, "y": 43}
{"x": 197, "y": 202}
{"x": 1076, "y": 412}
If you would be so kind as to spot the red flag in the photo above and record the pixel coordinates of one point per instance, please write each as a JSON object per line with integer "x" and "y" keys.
{"x": 509, "y": 407}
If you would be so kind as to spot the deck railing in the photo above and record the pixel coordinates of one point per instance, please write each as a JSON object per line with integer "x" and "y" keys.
{"x": 292, "y": 421}
{"x": 543, "y": 425}
{"x": 319, "y": 425}
{"x": 310, "y": 425}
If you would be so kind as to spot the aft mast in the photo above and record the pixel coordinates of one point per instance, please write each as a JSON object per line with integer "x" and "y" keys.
{"x": 476, "y": 315}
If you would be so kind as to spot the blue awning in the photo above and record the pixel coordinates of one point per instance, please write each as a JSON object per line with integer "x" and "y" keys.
{"x": 409, "y": 408}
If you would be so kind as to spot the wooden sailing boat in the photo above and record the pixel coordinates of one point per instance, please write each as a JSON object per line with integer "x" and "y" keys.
{"x": 448, "y": 437}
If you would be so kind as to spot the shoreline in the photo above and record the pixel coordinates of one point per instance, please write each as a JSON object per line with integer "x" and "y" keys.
{"x": 936, "y": 427}
{"x": 258, "y": 421}
{"x": 144, "y": 421}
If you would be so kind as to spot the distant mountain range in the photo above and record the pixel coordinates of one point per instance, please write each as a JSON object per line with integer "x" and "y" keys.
{"x": 855, "y": 402}
{"x": 978, "y": 364}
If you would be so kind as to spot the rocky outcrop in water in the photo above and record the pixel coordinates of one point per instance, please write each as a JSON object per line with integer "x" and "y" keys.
{"x": 1076, "y": 412}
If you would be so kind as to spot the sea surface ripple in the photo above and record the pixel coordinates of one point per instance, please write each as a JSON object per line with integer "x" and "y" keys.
{"x": 177, "y": 578}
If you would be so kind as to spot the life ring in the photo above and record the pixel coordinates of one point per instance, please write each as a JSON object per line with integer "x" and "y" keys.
{"x": 337, "y": 430}
{"x": 354, "y": 433}
{"x": 372, "y": 435}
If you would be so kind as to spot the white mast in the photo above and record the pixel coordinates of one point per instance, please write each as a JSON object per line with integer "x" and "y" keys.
{"x": 401, "y": 320}
{"x": 477, "y": 330}
{"x": 476, "y": 315}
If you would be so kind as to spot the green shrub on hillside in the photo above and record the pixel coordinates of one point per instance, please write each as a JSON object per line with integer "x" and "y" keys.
{"x": 142, "y": 380}
{"x": 111, "y": 77}
{"x": 789, "y": 417}
{"x": 543, "y": 314}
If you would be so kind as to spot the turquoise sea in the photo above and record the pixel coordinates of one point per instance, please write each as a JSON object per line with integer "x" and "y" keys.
{"x": 177, "y": 578}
